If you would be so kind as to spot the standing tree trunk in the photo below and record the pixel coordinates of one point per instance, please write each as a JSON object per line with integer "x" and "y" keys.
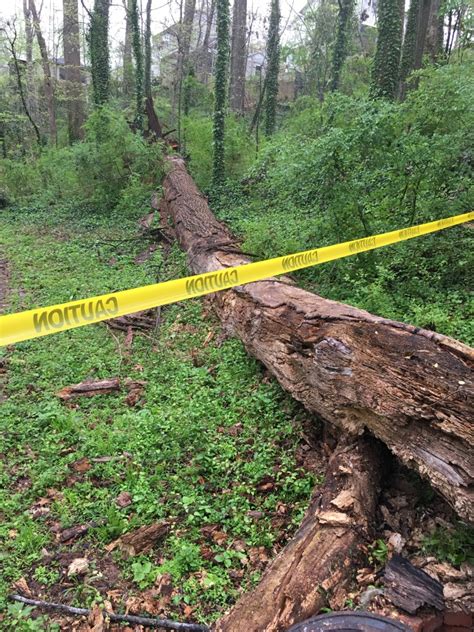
{"x": 385, "y": 71}
{"x": 48, "y": 83}
{"x": 273, "y": 68}
{"x": 421, "y": 31}
{"x": 218, "y": 166}
{"x": 127, "y": 64}
{"x": 31, "y": 97}
{"x": 407, "y": 62}
{"x": 72, "y": 65}
{"x": 184, "y": 46}
{"x": 434, "y": 36}
{"x": 138, "y": 56}
{"x": 98, "y": 38}
{"x": 154, "y": 127}
{"x": 238, "y": 58}
{"x": 147, "y": 47}
{"x": 204, "y": 59}
{"x": 346, "y": 10}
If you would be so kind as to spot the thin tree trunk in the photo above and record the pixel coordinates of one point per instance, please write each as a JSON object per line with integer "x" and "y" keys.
{"x": 72, "y": 66}
{"x": 273, "y": 67}
{"x": 31, "y": 96}
{"x": 409, "y": 387}
{"x": 205, "y": 56}
{"x": 238, "y": 59}
{"x": 148, "y": 50}
{"x": 127, "y": 64}
{"x": 138, "y": 57}
{"x": 48, "y": 82}
{"x": 12, "y": 47}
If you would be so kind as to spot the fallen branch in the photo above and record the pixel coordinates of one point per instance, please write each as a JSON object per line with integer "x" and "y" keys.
{"x": 409, "y": 387}
{"x": 147, "y": 622}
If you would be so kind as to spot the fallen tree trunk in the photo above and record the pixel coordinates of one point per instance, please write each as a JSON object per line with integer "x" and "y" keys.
{"x": 313, "y": 571}
{"x": 409, "y": 387}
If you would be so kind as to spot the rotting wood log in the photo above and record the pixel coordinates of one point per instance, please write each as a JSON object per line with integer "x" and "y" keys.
{"x": 407, "y": 386}
{"x": 409, "y": 587}
{"x": 315, "y": 568}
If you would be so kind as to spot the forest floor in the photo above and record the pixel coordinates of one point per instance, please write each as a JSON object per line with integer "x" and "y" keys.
{"x": 207, "y": 442}
{"x": 195, "y": 436}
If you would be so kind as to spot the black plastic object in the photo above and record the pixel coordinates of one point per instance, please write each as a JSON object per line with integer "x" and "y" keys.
{"x": 350, "y": 622}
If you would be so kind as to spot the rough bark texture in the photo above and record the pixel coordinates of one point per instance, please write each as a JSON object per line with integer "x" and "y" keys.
{"x": 72, "y": 67}
{"x": 238, "y": 58}
{"x": 410, "y": 387}
{"x": 314, "y": 567}
{"x": 127, "y": 65}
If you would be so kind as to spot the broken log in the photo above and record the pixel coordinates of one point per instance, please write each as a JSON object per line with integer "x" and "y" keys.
{"x": 407, "y": 386}
{"x": 314, "y": 570}
{"x": 409, "y": 587}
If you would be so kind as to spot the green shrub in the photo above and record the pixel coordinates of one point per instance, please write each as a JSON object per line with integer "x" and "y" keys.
{"x": 239, "y": 148}
{"x": 110, "y": 164}
{"x": 352, "y": 167}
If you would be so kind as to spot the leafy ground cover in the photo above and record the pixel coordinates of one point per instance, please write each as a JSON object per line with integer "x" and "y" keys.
{"x": 213, "y": 446}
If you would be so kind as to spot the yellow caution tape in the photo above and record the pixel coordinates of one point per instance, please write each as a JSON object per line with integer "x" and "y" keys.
{"x": 49, "y": 320}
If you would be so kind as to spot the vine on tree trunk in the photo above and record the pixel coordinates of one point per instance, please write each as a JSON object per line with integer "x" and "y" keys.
{"x": 222, "y": 62}
{"x": 346, "y": 10}
{"x": 138, "y": 55}
{"x": 385, "y": 71}
{"x": 97, "y": 38}
{"x": 273, "y": 67}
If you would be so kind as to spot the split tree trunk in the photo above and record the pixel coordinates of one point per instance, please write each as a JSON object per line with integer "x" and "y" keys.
{"x": 407, "y": 386}
{"x": 317, "y": 565}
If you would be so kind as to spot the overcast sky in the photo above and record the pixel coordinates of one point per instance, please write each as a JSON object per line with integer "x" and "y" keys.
{"x": 164, "y": 13}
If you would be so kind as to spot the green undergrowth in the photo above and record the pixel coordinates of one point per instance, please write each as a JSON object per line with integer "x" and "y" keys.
{"x": 350, "y": 168}
{"x": 212, "y": 446}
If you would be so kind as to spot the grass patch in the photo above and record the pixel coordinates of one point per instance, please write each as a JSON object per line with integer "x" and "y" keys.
{"x": 199, "y": 451}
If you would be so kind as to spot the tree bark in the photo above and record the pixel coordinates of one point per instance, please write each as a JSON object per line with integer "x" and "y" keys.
{"x": 434, "y": 43}
{"x": 30, "y": 85}
{"x": 48, "y": 82}
{"x": 407, "y": 386}
{"x": 238, "y": 58}
{"x": 98, "y": 37}
{"x": 127, "y": 66}
{"x": 204, "y": 60}
{"x": 147, "y": 47}
{"x": 421, "y": 31}
{"x": 72, "y": 67}
{"x": 313, "y": 568}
